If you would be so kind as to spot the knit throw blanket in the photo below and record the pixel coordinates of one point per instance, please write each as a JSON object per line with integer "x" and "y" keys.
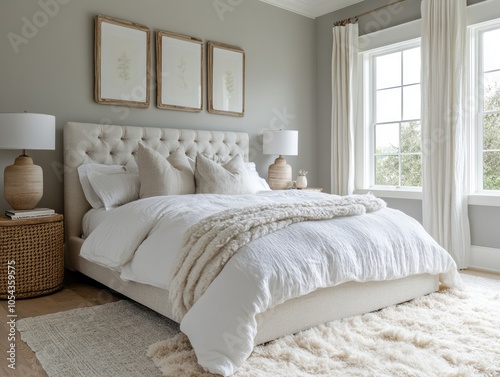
{"x": 210, "y": 243}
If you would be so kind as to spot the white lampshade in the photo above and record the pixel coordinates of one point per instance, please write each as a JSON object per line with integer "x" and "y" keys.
{"x": 27, "y": 131}
{"x": 23, "y": 181}
{"x": 281, "y": 142}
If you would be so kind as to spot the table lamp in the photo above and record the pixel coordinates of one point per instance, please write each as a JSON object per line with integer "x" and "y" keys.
{"x": 282, "y": 143}
{"x": 23, "y": 181}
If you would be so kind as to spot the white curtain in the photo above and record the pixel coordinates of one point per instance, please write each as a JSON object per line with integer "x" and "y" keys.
{"x": 444, "y": 128}
{"x": 344, "y": 84}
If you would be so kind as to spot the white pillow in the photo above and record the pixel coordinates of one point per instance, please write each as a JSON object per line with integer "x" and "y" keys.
{"x": 259, "y": 183}
{"x": 115, "y": 189}
{"x": 229, "y": 178}
{"x": 164, "y": 176}
{"x": 88, "y": 191}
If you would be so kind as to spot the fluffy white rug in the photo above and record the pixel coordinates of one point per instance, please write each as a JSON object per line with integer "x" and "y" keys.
{"x": 448, "y": 333}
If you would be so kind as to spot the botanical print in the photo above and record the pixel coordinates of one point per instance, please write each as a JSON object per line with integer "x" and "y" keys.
{"x": 123, "y": 67}
{"x": 229, "y": 83}
{"x": 181, "y": 74}
{"x": 124, "y": 62}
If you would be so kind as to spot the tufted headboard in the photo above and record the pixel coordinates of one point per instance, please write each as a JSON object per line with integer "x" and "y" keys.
{"x": 117, "y": 145}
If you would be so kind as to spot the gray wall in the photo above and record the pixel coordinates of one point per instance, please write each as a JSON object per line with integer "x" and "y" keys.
{"x": 53, "y": 72}
{"x": 484, "y": 220}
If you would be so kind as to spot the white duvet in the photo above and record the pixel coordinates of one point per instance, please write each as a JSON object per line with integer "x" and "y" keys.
{"x": 142, "y": 240}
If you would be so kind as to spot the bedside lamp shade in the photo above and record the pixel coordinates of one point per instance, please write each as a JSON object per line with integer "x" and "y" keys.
{"x": 282, "y": 143}
{"x": 23, "y": 181}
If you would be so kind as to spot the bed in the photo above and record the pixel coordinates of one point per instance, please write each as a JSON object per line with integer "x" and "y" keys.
{"x": 86, "y": 143}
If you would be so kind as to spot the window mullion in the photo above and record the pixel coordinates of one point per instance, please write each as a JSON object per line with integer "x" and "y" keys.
{"x": 401, "y": 118}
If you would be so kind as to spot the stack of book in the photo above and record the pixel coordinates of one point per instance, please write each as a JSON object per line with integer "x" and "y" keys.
{"x": 20, "y": 214}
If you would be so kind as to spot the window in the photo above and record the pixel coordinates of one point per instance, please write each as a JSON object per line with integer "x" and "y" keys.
{"x": 392, "y": 109}
{"x": 486, "y": 82}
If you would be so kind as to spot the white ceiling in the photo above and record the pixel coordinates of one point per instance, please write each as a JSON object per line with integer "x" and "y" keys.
{"x": 312, "y": 8}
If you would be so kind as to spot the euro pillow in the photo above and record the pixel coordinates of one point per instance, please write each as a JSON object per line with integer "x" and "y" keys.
{"x": 83, "y": 172}
{"x": 115, "y": 189}
{"x": 230, "y": 178}
{"x": 164, "y": 176}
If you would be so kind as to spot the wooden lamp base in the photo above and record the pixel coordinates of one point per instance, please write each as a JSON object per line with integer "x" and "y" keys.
{"x": 279, "y": 174}
{"x": 23, "y": 183}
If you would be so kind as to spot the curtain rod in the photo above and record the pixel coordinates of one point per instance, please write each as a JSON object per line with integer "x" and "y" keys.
{"x": 355, "y": 18}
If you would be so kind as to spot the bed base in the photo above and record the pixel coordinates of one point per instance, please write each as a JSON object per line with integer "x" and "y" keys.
{"x": 292, "y": 316}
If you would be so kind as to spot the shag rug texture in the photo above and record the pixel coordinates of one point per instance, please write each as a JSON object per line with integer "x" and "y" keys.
{"x": 447, "y": 333}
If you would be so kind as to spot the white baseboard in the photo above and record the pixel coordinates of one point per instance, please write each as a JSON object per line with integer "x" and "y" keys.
{"x": 485, "y": 258}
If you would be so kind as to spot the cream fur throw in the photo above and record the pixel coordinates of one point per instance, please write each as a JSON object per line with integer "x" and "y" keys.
{"x": 209, "y": 244}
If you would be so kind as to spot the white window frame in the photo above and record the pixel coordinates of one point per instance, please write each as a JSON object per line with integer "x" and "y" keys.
{"x": 478, "y": 15}
{"x": 476, "y": 114}
{"x": 369, "y": 102}
{"x": 402, "y": 33}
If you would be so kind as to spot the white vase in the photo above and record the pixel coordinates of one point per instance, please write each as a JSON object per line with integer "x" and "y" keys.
{"x": 301, "y": 182}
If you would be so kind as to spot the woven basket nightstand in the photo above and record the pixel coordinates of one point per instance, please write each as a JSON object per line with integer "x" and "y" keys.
{"x": 37, "y": 248}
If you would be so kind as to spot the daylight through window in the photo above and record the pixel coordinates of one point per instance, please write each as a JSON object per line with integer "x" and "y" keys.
{"x": 395, "y": 117}
{"x": 488, "y": 123}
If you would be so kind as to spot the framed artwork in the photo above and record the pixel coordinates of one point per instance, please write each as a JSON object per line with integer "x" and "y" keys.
{"x": 226, "y": 79}
{"x": 122, "y": 62}
{"x": 179, "y": 72}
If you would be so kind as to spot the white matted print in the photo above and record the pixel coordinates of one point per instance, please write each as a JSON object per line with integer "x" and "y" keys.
{"x": 179, "y": 72}
{"x": 226, "y": 79}
{"x": 122, "y": 62}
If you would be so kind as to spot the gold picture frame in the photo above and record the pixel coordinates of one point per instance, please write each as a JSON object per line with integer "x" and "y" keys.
{"x": 226, "y": 79}
{"x": 122, "y": 52}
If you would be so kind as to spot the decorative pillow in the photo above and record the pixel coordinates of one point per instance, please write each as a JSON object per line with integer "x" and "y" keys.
{"x": 259, "y": 183}
{"x": 164, "y": 176}
{"x": 229, "y": 178}
{"x": 115, "y": 189}
{"x": 88, "y": 191}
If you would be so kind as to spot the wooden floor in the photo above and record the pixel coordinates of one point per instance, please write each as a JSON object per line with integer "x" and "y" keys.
{"x": 78, "y": 292}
